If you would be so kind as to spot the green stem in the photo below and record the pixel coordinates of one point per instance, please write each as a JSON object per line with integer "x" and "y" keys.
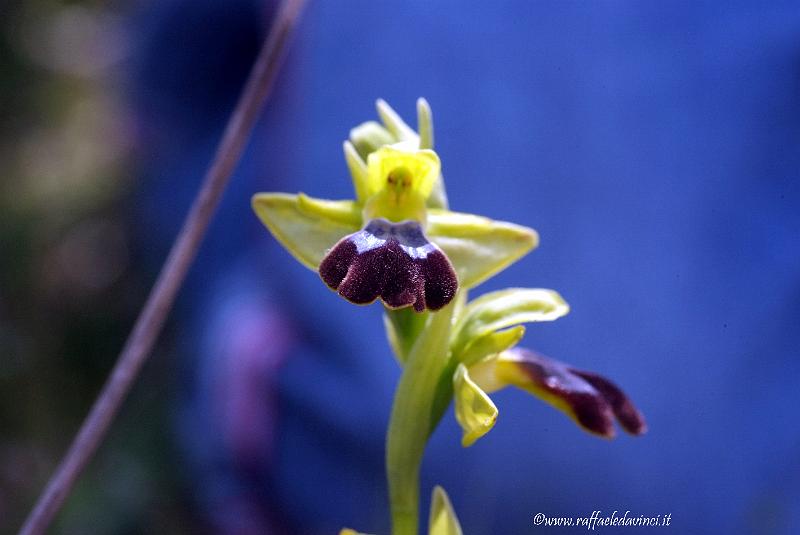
{"x": 413, "y": 418}
{"x": 406, "y": 324}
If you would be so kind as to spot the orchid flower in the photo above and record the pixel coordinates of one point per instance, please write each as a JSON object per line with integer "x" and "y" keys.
{"x": 398, "y": 241}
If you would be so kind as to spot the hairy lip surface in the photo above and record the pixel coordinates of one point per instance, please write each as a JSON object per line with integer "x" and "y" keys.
{"x": 393, "y": 261}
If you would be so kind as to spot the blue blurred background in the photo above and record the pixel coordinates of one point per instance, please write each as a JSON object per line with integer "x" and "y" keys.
{"x": 655, "y": 146}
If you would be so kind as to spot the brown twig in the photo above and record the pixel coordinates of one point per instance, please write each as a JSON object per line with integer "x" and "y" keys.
{"x": 184, "y": 249}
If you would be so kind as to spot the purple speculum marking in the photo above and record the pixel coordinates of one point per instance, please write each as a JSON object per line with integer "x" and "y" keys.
{"x": 393, "y": 261}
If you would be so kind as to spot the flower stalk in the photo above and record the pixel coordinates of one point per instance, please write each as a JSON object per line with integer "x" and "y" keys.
{"x": 412, "y": 419}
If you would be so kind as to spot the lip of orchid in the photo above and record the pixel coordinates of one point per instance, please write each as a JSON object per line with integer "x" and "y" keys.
{"x": 591, "y": 399}
{"x": 391, "y": 261}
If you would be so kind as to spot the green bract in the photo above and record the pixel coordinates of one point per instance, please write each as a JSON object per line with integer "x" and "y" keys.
{"x": 443, "y": 519}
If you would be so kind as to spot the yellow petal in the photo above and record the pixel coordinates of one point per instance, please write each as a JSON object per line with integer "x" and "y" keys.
{"x": 498, "y": 310}
{"x": 475, "y": 412}
{"x": 306, "y": 227}
{"x": 477, "y": 246}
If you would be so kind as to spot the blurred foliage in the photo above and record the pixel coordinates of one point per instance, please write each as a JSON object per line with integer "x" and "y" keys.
{"x": 70, "y": 285}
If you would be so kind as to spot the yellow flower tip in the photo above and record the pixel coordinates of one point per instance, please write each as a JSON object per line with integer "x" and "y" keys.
{"x": 264, "y": 205}
{"x": 469, "y": 438}
{"x": 259, "y": 199}
{"x": 424, "y": 124}
{"x": 423, "y": 108}
{"x": 531, "y": 238}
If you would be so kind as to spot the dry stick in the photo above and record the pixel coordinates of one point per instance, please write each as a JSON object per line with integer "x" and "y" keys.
{"x": 151, "y": 319}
